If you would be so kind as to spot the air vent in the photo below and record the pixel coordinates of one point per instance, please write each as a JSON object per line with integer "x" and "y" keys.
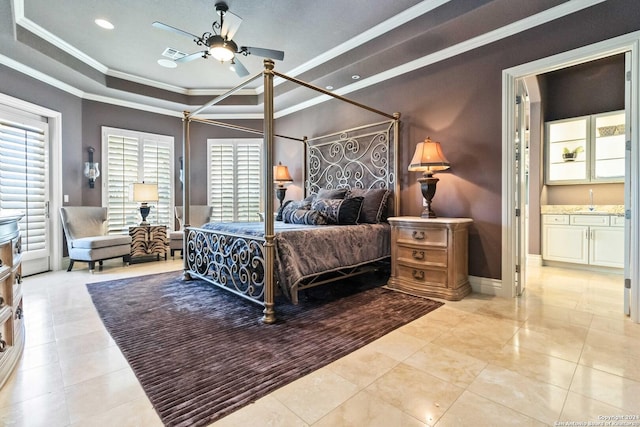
{"x": 173, "y": 53}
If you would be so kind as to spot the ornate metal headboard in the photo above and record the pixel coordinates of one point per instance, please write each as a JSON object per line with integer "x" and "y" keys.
{"x": 362, "y": 157}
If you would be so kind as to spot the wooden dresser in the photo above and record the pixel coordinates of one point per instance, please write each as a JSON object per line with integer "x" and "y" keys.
{"x": 430, "y": 256}
{"x": 11, "y": 324}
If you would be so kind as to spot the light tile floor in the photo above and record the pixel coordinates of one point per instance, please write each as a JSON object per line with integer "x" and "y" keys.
{"x": 562, "y": 352}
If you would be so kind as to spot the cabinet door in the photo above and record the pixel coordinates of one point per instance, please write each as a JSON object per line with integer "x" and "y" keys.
{"x": 565, "y": 243}
{"x": 609, "y": 146}
{"x": 606, "y": 246}
{"x": 567, "y": 150}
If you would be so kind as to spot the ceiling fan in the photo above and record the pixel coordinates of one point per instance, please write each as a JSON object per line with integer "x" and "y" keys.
{"x": 219, "y": 41}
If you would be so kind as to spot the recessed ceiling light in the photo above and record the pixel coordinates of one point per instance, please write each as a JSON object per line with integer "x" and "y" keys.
{"x": 355, "y": 76}
{"x": 329, "y": 87}
{"x": 167, "y": 63}
{"x": 104, "y": 24}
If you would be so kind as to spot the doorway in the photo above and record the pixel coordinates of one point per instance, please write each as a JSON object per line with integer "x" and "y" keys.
{"x": 30, "y": 164}
{"x": 514, "y": 262}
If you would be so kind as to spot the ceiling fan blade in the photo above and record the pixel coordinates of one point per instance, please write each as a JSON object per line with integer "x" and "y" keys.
{"x": 230, "y": 25}
{"x": 240, "y": 69}
{"x": 192, "y": 56}
{"x": 266, "y": 53}
{"x": 174, "y": 30}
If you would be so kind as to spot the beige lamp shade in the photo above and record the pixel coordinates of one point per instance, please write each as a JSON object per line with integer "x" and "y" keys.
{"x": 428, "y": 157}
{"x": 141, "y": 192}
{"x": 281, "y": 174}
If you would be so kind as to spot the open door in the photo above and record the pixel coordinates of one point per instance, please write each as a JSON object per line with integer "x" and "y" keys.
{"x": 521, "y": 146}
{"x": 627, "y": 185}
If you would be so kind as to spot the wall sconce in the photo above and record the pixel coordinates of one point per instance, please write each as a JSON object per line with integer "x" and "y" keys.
{"x": 428, "y": 158}
{"x": 91, "y": 169}
{"x": 281, "y": 177}
{"x": 143, "y": 193}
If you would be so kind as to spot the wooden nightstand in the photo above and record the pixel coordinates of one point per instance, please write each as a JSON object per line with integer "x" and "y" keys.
{"x": 148, "y": 240}
{"x": 430, "y": 256}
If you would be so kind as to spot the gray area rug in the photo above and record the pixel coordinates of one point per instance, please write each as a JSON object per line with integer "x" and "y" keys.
{"x": 201, "y": 353}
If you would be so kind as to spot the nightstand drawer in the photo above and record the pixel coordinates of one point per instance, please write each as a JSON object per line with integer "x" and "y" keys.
{"x": 422, "y": 236}
{"x": 423, "y": 276}
{"x": 421, "y": 255}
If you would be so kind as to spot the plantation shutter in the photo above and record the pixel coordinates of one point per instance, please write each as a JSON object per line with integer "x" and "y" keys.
{"x": 122, "y": 170}
{"x": 157, "y": 160}
{"x": 23, "y": 171}
{"x": 136, "y": 157}
{"x": 235, "y": 179}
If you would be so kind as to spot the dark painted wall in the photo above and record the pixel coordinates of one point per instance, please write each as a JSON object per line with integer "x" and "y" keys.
{"x": 457, "y": 102}
{"x": 96, "y": 115}
{"x": 590, "y": 88}
{"x": 19, "y": 86}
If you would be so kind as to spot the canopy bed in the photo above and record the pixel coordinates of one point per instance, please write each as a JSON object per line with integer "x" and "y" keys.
{"x": 337, "y": 231}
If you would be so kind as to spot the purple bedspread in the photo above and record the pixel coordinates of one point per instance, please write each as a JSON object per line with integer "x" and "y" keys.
{"x": 303, "y": 251}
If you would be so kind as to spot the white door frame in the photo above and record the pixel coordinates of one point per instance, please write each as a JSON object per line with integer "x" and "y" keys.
{"x": 55, "y": 172}
{"x": 628, "y": 42}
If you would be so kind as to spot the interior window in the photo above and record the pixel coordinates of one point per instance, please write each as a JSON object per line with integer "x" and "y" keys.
{"x": 131, "y": 157}
{"x": 234, "y": 179}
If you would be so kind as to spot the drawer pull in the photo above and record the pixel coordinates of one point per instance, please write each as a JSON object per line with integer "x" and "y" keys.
{"x": 1, "y": 301}
{"x": 3, "y": 344}
{"x": 418, "y": 235}
{"x": 418, "y": 254}
{"x": 418, "y": 274}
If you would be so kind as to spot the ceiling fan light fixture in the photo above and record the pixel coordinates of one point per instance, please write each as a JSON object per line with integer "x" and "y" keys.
{"x": 221, "y": 53}
{"x": 221, "y": 49}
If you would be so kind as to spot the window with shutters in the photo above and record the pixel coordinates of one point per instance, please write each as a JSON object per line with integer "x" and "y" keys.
{"x": 234, "y": 179}
{"x": 131, "y": 157}
{"x": 23, "y": 174}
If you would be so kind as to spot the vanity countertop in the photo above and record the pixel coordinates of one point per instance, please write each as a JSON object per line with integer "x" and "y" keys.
{"x": 582, "y": 209}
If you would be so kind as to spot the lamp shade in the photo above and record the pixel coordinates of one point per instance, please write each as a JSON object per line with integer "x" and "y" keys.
{"x": 141, "y": 192}
{"x": 281, "y": 174}
{"x": 428, "y": 157}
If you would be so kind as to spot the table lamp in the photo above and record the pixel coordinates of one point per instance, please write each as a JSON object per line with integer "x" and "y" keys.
{"x": 281, "y": 177}
{"x": 428, "y": 158}
{"x": 144, "y": 193}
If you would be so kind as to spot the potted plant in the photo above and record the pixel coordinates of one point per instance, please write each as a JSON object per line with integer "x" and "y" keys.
{"x": 571, "y": 155}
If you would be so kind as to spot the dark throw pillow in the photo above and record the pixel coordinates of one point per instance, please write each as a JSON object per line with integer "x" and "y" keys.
{"x": 340, "y": 211}
{"x": 290, "y": 208}
{"x": 281, "y": 209}
{"x": 374, "y": 205}
{"x": 308, "y": 217}
{"x": 331, "y": 193}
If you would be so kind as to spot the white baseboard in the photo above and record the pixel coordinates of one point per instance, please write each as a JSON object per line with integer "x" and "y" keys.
{"x": 486, "y": 286}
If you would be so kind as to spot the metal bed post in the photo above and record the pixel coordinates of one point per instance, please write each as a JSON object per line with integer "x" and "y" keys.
{"x": 186, "y": 184}
{"x": 268, "y": 147}
{"x": 396, "y": 157}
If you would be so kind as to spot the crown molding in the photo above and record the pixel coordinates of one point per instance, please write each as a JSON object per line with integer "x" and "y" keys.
{"x": 570, "y": 7}
{"x": 549, "y": 15}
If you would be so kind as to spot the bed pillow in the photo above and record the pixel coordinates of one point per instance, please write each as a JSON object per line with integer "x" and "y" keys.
{"x": 280, "y": 210}
{"x": 331, "y": 193}
{"x": 290, "y": 208}
{"x": 307, "y": 217}
{"x": 340, "y": 211}
{"x": 374, "y": 205}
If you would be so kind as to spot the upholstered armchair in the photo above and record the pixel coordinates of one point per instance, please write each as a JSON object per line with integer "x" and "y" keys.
{"x": 200, "y": 214}
{"x": 87, "y": 241}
